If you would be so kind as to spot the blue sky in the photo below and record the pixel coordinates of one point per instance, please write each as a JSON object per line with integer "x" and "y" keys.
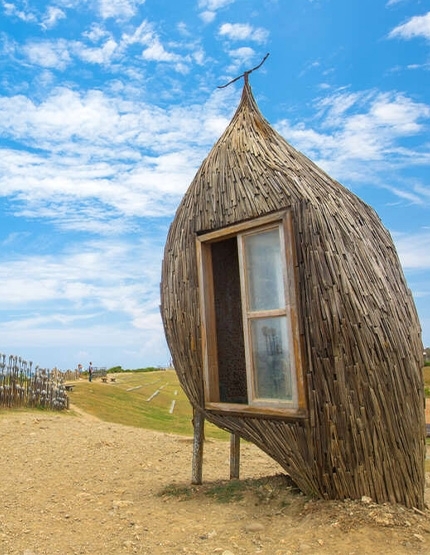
{"x": 108, "y": 107}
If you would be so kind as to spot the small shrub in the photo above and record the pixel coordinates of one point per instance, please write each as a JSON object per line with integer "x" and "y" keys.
{"x": 227, "y": 491}
{"x": 180, "y": 492}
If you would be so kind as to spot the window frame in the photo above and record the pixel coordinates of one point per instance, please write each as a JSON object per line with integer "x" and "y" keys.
{"x": 264, "y": 407}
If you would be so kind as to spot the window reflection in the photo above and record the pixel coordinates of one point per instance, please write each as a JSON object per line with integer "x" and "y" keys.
{"x": 272, "y": 371}
{"x": 269, "y": 336}
{"x": 264, "y": 271}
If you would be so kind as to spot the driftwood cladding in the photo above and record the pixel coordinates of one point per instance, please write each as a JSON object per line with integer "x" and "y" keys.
{"x": 357, "y": 427}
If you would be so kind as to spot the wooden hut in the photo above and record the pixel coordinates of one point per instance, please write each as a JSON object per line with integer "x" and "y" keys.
{"x": 289, "y": 319}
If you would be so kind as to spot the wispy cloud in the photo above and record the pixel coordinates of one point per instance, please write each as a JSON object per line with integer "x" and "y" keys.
{"x": 79, "y": 291}
{"x": 24, "y": 13}
{"x": 142, "y": 34}
{"x": 119, "y": 159}
{"x": 243, "y": 31}
{"x": 102, "y": 55}
{"x": 393, "y": 2}
{"x": 240, "y": 57}
{"x": 101, "y": 47}
{"x": 121, "y": 9}
{"x": 414, "y": 250}
{"x": 49, "y": 54}
{"x": 207, "y": 16}
{"x": 156, "y": 52}
{"x": 417, "y": 26}
{"x": 52, "y": 16}
{"x": 210, "y": 7}
{"x": 214, "y": 5}
{"x": 353, "y": 129}
{"x": 107, "y": 109}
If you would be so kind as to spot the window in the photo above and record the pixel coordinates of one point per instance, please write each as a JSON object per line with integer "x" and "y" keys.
{"x": 250, "y": 338}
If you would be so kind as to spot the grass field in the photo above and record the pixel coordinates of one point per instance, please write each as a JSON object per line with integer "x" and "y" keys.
{"x": 426, "y": 374}
{"x": 151, "y": 400}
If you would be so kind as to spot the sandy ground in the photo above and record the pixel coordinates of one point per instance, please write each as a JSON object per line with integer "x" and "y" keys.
{"x": 72, "y": 484}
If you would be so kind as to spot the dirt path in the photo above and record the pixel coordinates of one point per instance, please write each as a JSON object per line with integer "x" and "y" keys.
{"x": 72, "y": 484}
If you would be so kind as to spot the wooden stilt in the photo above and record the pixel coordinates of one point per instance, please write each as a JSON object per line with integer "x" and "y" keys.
{"x": 199, "y": 436}
{"x": 234, "y": 456}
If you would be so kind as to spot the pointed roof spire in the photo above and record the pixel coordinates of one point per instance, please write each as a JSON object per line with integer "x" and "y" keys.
{"x": 245, "y": 74}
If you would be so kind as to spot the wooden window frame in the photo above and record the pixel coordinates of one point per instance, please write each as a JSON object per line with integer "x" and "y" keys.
{"x": 264, "y": 407}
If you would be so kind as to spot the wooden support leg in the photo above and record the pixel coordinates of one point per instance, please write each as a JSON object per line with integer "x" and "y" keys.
{"x": 234, "y": 456}
{"x": 199, "y": 436}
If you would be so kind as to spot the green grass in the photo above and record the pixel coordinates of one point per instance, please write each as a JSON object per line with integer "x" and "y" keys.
{"x": 426, "y": 375}
{"x": 279, "y": 488}
{"x": 130, "y": 400}
{"x": 221, "y": 492}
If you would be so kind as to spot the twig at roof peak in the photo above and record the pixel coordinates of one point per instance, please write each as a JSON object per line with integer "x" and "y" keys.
{"x": 245, "y": 74}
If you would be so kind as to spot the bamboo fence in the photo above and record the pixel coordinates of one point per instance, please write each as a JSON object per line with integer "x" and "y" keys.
{"x": 23, "y": 386}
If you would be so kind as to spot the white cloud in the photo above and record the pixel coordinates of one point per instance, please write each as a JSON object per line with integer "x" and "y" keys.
{"x": 207, "y": 16}
{"x": 11, "y": 10}
{"x": 97, "y": 118}
{"x": 183, "y": 29}
{"x": 374, "y": 111}
{"x": 214, "y": 5}
{"x": 199, "y": 56}
{"x": 369, "y": 121}
{"x": 102, "y": 55}
{"x": 84, "y": 295}
{"x": 121, "y": 9}
{"x": 143, "y": 34}
{"x": 96, "y": 33}
{"x": 59, "y": 54}
{"x": 413, "y": 250}
{"x": 50, "y": 54}
{"x": 244, "y": 54}
{"x": 425, "y": 66}
{"x": 138, "y": 159}
{"x": 86, "y": 275}
{"x": 333, "y": 107}
{"x": 240, "y": 57}
{"x": 243, "y": 31}
{"x": 52, "y": 16}
{"x": 403, "y": 194}
{"x": 61, "y": 115}
{"x": 423, "y": 191}
{"x": 210, "y": 8}
{"x": 398, "y": 113}
{"x": 418, "y": 26}
{"x": 357, "y": 135}
{"x": 135, "y": 159}
{"x": 156, "y": 52}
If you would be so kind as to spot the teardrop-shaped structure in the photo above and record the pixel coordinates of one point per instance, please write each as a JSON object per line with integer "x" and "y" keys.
{"x": 290, "y": 322}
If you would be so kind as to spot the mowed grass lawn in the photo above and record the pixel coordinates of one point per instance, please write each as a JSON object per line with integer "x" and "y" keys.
{"x": 151, "y": 400}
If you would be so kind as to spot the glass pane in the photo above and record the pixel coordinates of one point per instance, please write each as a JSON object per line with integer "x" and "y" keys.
{"x": 264, "y": 271}
{"x": 272, "y": 358}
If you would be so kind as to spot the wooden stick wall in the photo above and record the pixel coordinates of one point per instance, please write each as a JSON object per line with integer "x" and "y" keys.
{"x": 364, "y": 431}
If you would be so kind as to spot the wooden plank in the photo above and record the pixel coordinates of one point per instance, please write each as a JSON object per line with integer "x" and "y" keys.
{"x": 234, "y": 456}
{"x": 199, "y": 436}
